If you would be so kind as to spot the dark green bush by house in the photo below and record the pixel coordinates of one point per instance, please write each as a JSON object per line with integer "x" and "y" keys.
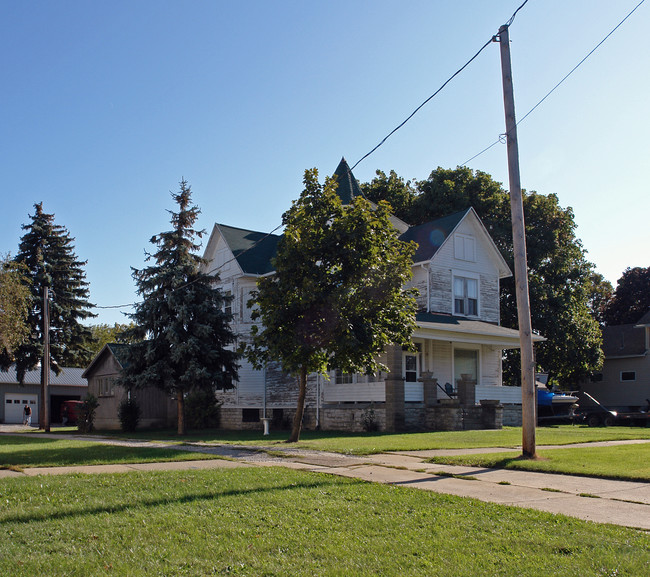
{"x": 129, "y": 414}
{"x": 201, "y": 410}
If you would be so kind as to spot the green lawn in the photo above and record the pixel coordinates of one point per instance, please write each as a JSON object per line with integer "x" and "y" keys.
{"x": 629, "y": 462}
{"x": 36, "y": 451}
{"x": 369, "y": 443}
{"x": 282, "y": 522}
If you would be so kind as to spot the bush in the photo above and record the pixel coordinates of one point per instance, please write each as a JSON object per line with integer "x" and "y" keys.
{"x": 201, "y": 410}
{"x": 86, "y": 414}
{"x": 369, "y": 420}
{"x": 129, "y": 414}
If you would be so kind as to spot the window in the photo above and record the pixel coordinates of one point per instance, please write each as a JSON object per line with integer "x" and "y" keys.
{"x": 464, "y": 247}
{"x": 342, "y": 378}
{"x": 227, "y": 304}
{"x": 628, "y": 375}
{"x": 105, "y": 386}
{"x": 250, "y": 415}
{"x": 465, "y": 296}
{"x": 466, "y": 362}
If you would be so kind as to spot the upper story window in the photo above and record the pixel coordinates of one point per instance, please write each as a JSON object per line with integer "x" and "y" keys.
{"x": 465, "y": 247}
{"x": 105, "y": 386}
{"x": 341, "y": 378}
{"x": 628, "y": 375}
{"x": 227, "y": 304}
{"x": 221, "y": 260}
{"x": 465, "y": 296}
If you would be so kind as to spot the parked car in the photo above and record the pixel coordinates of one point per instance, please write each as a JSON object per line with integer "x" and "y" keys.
{"x": 70, "y": 412}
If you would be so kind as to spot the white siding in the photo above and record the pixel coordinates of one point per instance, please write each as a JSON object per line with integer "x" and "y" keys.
{"x": 445, "y": 264}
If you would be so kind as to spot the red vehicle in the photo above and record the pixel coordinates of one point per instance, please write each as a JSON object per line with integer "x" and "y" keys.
{"x": 70, "y": 412}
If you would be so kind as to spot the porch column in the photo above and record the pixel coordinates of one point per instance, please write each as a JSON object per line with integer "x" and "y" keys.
{"x": 430, "y": 389}
{"x": 394, "y": 385}
{"x": 466, "y": 390}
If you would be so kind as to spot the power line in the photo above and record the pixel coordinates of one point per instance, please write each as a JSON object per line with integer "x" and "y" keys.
{"x": 500, "y": 139}
{"x": 437, "y": 91}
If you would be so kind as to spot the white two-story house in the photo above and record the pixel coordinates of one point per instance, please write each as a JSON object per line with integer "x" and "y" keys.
{"x": 457, "y": 270}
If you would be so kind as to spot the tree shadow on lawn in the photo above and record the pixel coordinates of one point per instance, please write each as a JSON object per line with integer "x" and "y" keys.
{"x": 153, "y": 503}
{"x": 43, "y": 452}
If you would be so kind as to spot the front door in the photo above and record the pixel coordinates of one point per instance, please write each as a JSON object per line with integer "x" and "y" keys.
{"x": 413, "y": 390}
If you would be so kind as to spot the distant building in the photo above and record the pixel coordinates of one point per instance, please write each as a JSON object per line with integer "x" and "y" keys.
{"x": 69, "y": 385}
{"x": 156, "y": 408}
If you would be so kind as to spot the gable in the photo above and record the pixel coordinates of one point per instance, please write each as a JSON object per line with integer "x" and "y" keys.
{"x": 249, "y": 251}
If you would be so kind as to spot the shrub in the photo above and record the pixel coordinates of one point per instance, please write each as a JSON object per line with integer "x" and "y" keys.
{"x": 129, "y": 414}
{"x": 369, "y": 420}
{"x": 86, "y": 414}
{"x": 202, "y": 410}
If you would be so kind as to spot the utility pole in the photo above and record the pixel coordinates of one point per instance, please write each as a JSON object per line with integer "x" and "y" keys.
{"x": 46, "y": 360}
{"x": 519, "y": 244}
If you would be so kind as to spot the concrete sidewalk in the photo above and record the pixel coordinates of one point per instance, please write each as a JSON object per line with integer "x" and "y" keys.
{"x": 624, "y": 503}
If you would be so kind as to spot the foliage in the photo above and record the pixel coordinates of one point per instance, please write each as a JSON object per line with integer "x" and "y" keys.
{"x": 129, "y": 414}
{"x": 103, "y": 334}
{"x": 202, "y": 410}
{"x": 46, "y": 252}
{"x": 14, "y": 308}
{"x": 336, "y": 299}
{"x": 86, "y": 414}
{"x": 562, "y": 284}
{"x": 631, "y": 299}
{"x": 369, "y": 420}
{"x": 600, "y": 293}
{"x": 181, "y": 334}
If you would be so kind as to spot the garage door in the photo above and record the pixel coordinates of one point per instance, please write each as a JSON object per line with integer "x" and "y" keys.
{"x": 14, "y": 404}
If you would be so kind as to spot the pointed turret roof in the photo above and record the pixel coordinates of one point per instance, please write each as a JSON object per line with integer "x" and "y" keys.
{"x": 348, "y": 186}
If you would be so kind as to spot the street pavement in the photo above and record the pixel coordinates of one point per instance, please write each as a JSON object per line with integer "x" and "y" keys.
{"x": 624, "y": 503}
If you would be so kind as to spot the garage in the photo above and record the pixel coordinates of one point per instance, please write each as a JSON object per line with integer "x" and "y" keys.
{"x": 14, "y": 404}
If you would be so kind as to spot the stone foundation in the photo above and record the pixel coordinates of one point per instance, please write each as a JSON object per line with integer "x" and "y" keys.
{"x": 446, "y": 415}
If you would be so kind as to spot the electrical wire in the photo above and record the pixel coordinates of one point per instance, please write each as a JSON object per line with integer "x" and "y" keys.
{"x": 501, "y": 139}
{"x": 437, "y": 91}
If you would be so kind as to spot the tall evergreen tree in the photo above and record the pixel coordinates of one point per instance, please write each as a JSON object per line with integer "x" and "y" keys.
{"x": 47, "y": 255}
{"x": 183, "y": 339}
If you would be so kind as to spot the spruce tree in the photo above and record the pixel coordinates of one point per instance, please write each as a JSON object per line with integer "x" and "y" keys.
{"x": 47, "y": 255}
{"x": 183, "y": 336}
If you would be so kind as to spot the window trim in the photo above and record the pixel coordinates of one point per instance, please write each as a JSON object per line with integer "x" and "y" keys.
{"x": 465, "y": 275}
{"x": 462, "y": 241}
{"x": 632, "y": 373}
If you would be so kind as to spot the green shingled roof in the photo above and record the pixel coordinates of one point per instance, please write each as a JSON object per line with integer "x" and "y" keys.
{"x": 252, "y": 250}
{"x": 119, "y": 352}
{"x": 348, "y": 187}
{"x": 431, "y": 235}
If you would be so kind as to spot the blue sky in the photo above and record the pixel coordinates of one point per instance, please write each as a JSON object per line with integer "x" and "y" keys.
{"x": 107, "y": 105}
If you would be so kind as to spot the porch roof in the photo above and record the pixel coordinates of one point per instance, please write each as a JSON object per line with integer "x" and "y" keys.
{"x": 442, "y": 327}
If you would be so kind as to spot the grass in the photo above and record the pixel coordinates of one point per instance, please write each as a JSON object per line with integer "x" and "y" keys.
{"x": 252, "y": 522}
{"x": 36, "y": 451}
{"x": 370, "y": 443}
{"x": 629, "y": 462}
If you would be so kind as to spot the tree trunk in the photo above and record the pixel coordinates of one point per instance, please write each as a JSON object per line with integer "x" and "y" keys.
{"x": 180, "y": 410}
{"x": 300, "y": 409}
